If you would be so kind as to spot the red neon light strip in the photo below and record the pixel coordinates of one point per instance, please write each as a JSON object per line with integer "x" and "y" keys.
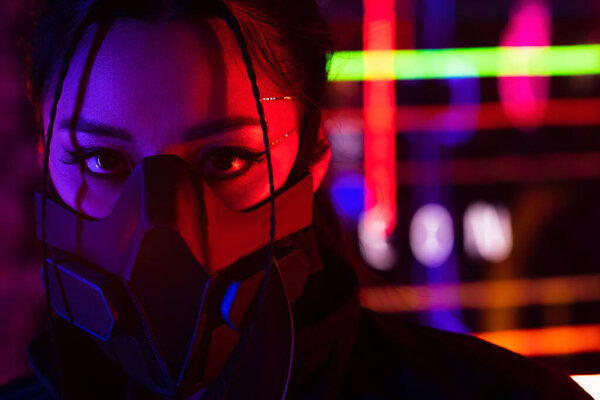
{"x": 542, "y": 168}
{"x": 490, "y": 116}
{"x": 547, "y": 341}
{"x": 379, "y": 122}
{"x": 493, "y": 170}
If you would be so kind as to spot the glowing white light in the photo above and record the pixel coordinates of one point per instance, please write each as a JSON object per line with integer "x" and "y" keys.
{"x": 346, "y": 144}
{"x": 590, "y": 383}
{"x": 373, "y": 240}
{"x": 488, "y": 232}
{"x": 431, "y": 235}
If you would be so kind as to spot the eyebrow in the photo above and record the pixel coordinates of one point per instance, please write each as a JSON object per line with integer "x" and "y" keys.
{"x": 97, "y": 128}
{"x": 219, "y": 126}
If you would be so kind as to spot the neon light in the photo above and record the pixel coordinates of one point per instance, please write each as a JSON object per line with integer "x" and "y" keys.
{"x": 477, "y": 171}
{"x": 483, "y": 295}
{"x": 524, "y": 98}
{"x": 431, "y": 235}
{"x": 490, "y": 116}
{"x": 347, "y": 194}
{"x": 478, "y": 62}
{"x": 490, "y": 170}
{"x": 589, "y": 383}
{"x": 487, "y": 232}
{"x": 379, "y": 122}
{"x": 547, "y": 341}
{"x": 374, "y": 247}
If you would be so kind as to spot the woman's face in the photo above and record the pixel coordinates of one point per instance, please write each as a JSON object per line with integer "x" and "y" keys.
{"x": 173, "y": 88}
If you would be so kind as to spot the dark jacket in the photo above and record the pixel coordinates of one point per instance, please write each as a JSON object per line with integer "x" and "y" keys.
{"x": 345, "y": 352}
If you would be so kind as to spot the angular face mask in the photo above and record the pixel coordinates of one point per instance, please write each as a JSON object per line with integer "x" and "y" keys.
{"x": 170, "y": 284}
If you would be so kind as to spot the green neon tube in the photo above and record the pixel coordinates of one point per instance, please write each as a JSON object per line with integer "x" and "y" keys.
{"x": 465, "y": 63}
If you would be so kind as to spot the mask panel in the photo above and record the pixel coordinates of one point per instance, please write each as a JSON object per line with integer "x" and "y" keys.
{"x": 168, "y": 282}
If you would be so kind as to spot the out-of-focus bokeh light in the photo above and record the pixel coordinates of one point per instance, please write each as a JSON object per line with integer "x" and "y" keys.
{"x": 555, "y": 340}
{"x": 455, "y": 126}
{"x": 590, "y": 383}
{"x": 490, "y": 116}
{"x": 481, "y": 61}
{"x": 524, "y": 98}
{"x": 379, "y": 111}
{"x": 497, "y": 294}
{"x": 487, "y": 232}
{"x": 374, "y": 244}
{"x": 347, "y": 193}
{"x": 431, "y": 235}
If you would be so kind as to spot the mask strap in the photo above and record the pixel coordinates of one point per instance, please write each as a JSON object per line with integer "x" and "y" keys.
{"x": 69, "y": 53}
{"x": 237, "y": 31}
{"x": 308, "y": 142}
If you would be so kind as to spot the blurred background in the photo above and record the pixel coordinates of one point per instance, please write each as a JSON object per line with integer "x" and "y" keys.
{"x": 466, "y": 166}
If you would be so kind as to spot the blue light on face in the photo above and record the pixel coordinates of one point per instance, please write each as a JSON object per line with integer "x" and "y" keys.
{"x": 348, "y": 195}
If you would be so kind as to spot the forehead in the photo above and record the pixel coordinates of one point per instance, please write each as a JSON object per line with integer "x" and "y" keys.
{"x": 150, "y": 77}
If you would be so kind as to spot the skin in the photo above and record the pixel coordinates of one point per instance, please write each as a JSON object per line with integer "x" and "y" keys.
{"x": 171, "y": 88}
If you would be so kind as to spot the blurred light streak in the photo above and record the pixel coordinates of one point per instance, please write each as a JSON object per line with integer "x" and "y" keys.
{"x": 490, "y": 116}
{"x": 483, "y": 295}
{"x": 503, "y": 169}
{"x": 458, "y": 124}
{"x": 547, "y": 341}
{"x": 439, "y": 18}
{"x": 507, "y": 169}
{"x": 524, "y": 98}
{"x": 347, "y": 194}
{"x": 374, "y": 245}
{"x": 590, "y": 383}
{"x": 431, "y": 235}
{"x": 478, "y": 62}
{"x": 487, "y": 232}
{"x": 379, "y": 104}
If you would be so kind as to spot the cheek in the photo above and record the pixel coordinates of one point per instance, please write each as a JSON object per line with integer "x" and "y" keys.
{"x": 93, "y": 198}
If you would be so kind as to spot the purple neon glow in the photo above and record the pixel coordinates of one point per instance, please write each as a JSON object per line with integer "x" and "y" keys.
{"x": 432, "y": 235}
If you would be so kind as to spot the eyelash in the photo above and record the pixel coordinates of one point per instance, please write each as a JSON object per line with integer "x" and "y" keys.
{"x": 82, "y": 154}
{"x": 246, "y": 155}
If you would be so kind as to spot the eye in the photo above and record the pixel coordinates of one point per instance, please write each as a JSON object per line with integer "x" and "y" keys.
{"x": 103, "y": 163}
{"x": 98, "y": 161}
{"x": 228, "y": 162}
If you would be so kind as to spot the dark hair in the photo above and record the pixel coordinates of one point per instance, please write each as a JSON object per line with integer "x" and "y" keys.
{"x": 288, "y": 39}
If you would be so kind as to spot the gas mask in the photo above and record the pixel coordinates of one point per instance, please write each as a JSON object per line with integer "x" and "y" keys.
{"x": 170, "y": 284}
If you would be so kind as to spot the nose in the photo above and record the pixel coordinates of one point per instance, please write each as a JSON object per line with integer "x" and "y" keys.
{"x": 171, "y": 196}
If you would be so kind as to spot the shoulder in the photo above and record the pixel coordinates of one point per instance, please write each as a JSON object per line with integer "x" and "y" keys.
{"x": 26, "y": 388}
{"x": 394, "y": 359}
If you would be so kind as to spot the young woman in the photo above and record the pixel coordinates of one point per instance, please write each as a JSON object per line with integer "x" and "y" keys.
{"x": 183, "y": 255}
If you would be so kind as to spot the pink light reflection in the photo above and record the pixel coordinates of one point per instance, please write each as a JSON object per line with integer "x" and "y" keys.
{"x": 524, "y": 98}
